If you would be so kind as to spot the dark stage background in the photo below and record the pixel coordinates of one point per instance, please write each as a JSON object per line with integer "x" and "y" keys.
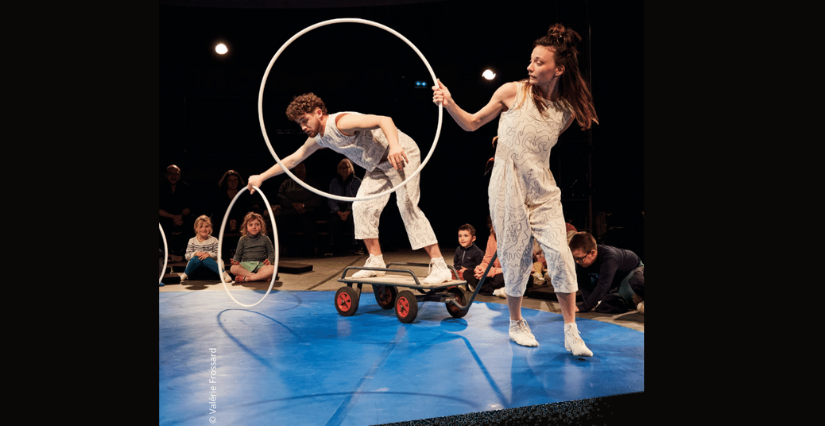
{"x": 208, "y": 103}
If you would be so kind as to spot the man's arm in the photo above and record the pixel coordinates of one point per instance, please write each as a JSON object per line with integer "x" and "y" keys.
{"x": 301, "y": 154}
{"x": 606, "y": 274}
{"x": 359, "y": 122}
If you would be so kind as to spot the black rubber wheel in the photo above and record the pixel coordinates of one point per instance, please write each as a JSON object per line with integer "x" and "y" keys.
{"x": 385, "y": 295}
{"x": 406, "y": 307}
{"x": 460, "y": 298}
{"x": 346, "y": 301}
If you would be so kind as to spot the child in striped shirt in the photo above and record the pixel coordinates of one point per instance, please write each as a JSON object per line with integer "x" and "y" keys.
{"x": 202, "y": 250}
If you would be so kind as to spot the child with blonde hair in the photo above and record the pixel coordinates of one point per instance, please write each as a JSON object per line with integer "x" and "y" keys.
{"x": 255, "y": 255}
{"x": 202, "y": 250}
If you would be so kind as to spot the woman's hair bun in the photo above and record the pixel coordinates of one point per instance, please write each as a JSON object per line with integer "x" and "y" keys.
{"x": 569, "y": 38}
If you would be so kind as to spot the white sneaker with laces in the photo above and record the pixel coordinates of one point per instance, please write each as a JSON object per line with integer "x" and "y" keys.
{"x": 372, "y": 262}
{"x": 439, "y": 273}
{"x": 521, "y": 334}
{"x": 574, "y": 343}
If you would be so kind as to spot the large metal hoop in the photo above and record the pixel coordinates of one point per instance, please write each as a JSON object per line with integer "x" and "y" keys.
{"x": 263, "y": 127}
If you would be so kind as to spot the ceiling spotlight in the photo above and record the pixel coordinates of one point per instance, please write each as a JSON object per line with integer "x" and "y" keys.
{"x": 221, "y": 48}
{"x": 489, "y": 75}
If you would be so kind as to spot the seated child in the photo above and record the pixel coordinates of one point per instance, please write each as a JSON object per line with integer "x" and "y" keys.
{"x": 467, "y": 255}
{"x": 202, "y": 251}
{"x": 255, "y": 255}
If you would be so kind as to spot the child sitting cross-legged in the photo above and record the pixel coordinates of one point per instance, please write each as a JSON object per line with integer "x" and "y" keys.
{"x": 255, "y": 255}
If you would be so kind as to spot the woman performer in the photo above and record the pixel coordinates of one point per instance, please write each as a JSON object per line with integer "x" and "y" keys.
{"x": 525, "y": 202}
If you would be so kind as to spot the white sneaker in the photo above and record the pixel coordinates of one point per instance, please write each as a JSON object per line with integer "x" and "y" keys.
{"x": 440, "y": 273}
{"x": 500, "y": 293}
{"x": 521, "y": 334}
{"x": 372, "y": 262}
{"x": 226, "y": 278}
{"x": 574, "y": 343}
{"x": 183, "y": 277}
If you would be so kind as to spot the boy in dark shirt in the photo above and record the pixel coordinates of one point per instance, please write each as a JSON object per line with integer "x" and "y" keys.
{"x": 467, "y": 255}
{"x": 606, "y": 274}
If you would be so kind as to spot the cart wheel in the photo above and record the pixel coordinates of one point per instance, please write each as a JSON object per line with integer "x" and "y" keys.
{"x": 406, "y": 307}
{"x": 346, "y": 301}
{"x": 459, "y": 297}
{"x": 385, "y": 295}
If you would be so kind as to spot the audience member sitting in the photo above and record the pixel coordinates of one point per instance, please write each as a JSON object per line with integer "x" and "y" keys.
{"x": 300, "y": 208}
{"x": 467, "y": 254}
{"x": 255, "y": 255}
{"x": 202, "y": 251}
{"x": 228, "y": 187}
{"x": 340, "y": 220}
{"x": 608, "y": 276}
{"x": 175, "y": 202}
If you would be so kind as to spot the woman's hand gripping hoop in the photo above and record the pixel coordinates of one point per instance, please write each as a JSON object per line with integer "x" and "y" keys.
{"x": 261, "y": 114}
{"x": 274, "y": 240}
{"x": 165, "y": 253}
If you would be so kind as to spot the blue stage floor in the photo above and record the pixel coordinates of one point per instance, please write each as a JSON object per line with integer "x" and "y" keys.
{"x": 293, "y": 360}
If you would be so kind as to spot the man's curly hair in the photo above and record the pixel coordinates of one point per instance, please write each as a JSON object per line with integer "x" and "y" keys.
{"x": 304, "y": 104}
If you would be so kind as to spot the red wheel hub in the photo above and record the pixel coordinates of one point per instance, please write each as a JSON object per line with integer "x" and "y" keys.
{"x": 344, "y": 301}
{"x": 403, "y": 306}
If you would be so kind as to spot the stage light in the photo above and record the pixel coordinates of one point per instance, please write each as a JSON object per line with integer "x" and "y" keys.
{"x": 221, "y": 48}
{"x": 489, "y": 75}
